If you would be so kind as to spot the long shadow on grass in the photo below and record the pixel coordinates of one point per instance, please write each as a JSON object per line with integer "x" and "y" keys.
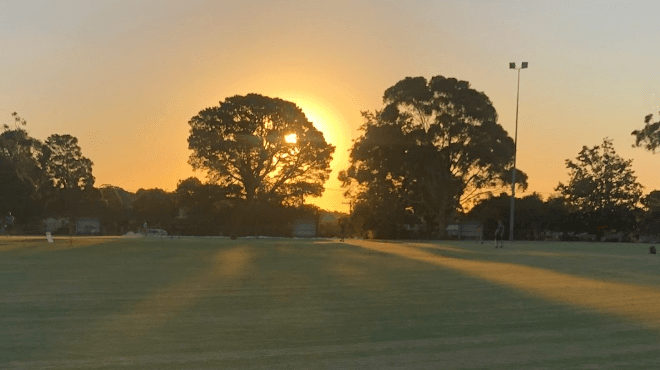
{"x": 221, "y": 275}
{"x": 302, "y": 305}
{"x": 98, "y": 296}
{"x": 627, "y": 300}
{"x": 618, "y": 263}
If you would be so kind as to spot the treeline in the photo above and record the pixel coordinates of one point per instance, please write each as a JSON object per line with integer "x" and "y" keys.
{"x": 41, "y": 179}
{"x": 601, "y": 200}
{"x": 535, "y": 218}
{"x": 197, "y": 208}
{"x": 53, "y": 180}
{"x": 435, "y": 154}
{"x": 538, "y": 219}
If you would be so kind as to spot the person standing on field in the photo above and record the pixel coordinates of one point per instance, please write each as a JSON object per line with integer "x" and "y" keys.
{"x": 342, "y": 226}
{"x": 499, "y": 235}
{"x": 9, "y": 222}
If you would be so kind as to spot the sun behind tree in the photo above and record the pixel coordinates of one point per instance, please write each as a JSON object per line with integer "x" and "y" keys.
{"x": 266, "y": 146}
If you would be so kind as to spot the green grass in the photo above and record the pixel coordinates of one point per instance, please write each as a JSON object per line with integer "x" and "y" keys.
{"x": 280, "y": 303}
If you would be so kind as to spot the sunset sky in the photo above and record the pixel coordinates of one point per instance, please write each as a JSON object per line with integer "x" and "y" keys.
{"x": 125, "y": 77}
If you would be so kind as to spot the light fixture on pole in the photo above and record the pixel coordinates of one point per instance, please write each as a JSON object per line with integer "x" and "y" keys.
{"x": 515, "y": 150}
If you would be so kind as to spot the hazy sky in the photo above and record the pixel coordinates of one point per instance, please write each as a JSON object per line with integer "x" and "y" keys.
{"x": 125, "y": 77}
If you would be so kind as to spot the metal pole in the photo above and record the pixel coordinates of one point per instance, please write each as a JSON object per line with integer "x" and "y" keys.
{"x": 515, "y": 151}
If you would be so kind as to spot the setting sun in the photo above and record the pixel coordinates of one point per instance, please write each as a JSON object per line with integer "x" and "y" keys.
{"x": 327, "y": 118}
{"x": 291, "y": 138}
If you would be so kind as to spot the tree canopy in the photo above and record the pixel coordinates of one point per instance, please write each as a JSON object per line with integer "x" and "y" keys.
{"x": 533, "y": 216}
{"x": 650, "y": 220}
{"x": 434, "y": 147}
{"x": 155, "y": 206}
{"x": 242, "y": 142}
{"x": 22, "y": 170}
{"x": 70, "y": 175}
{"x": 600, "y": 179}
{"x": 40, "y": 179}
{"x": 649, "y": 136}
{"x": 602, "y": 187}
{"x": 652, "y": 201}
{"x": 67, "y": 167}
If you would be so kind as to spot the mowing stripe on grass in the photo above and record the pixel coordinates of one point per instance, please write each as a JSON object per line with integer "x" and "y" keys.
{"x": 225, "y": 271}
{"x": 636, "y": 302}
{"x": 164, "y": 305}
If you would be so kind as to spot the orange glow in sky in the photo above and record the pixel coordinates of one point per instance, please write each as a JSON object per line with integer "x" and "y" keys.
{"x": 125, "y": 77}
{"x": 336, "y": 133}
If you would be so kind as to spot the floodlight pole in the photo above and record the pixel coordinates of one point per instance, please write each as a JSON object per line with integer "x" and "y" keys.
{"x": 515, "y": 150}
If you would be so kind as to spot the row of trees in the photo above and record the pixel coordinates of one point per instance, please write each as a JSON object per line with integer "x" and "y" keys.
{"x": 435, "y": 153}
{"x": 43, "y": 178}
{"x": 262, "y": 155}
{"x": 601, "y": 196}
{"x": 197, "y": 208}
{"x": 535, "y": 217}
{"x": 431, "y": 154}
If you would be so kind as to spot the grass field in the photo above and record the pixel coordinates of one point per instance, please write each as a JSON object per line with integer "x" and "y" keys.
{"x": 133, "y": 303}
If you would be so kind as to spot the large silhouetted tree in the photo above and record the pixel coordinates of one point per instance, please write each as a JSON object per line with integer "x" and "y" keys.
{"x": 602, "y": 188}
{"x": 23, "y": 180}
{"x": 67, "y": 167}
{"x": 435, "y": 146}
{"x": 242, "y": 142}
{"x": 649, "y": 136}
{"x": 71, "y": 176}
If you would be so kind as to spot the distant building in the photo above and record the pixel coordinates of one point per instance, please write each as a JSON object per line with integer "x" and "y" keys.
{"x": 305, "y": 228}
{"x": 53, "y": 224}
{"x": 466, "y": 230}
{"x": 88, "y": 226}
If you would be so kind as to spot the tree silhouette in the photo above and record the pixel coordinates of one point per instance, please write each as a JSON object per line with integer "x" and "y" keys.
{"x": 533, "y": 216}
{"x": 24, "y": 182}
{"x": 649, "y": 136}
{"x": 436, "y": 146}
{"x": 242, "y": 142}
{"x": 602, "y": 188}
{"x": 67, "y": 167}
{"x": 71, "y": 177}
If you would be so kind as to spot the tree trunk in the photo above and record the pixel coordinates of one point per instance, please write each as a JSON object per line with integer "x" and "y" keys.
{"x": 239, "y": 217}
{"x": 442, "y": 219}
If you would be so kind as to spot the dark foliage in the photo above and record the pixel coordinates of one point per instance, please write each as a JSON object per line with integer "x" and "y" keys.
{"x": 602, "y": 192}
{"x": 241, "y": 143}
{"x": 435, "y": 147}
{"x": 532, "y": 219}
{"x": 155, "y": 206}
{"x": 649, "y": 136}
